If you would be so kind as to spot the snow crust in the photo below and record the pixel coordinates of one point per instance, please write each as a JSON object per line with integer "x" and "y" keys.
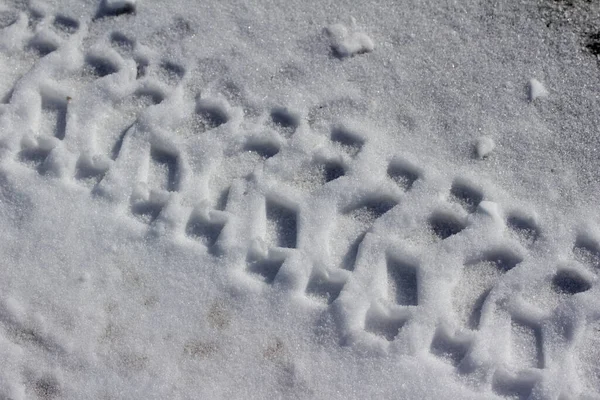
{"x": 296, "y": 200}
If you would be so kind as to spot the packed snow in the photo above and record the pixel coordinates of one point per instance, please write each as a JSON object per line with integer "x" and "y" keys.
{"x": 309, "y": 200}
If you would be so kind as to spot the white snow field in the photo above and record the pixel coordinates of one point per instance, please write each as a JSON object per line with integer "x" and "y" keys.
{"x": 299, "y": 199}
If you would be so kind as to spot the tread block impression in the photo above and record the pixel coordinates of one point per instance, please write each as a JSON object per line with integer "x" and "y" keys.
{"x": 322, "y": 172}
{"x": 449, "y": 349}
{"x": 404, "y": 174}
{"x": 211, "y": 114}
{"x": 478, "y": 278}
{"x": 146, "y": 211}
{"x": 357, "y": 219}
{"x": 383, "y": 325}
{"x": 264, "y": 148}
{"x": 349, "y": 260}
{"x": 570, "y": 282}
{"x": 321, "y": 287}
{"x": 512, "y": 387}
{"x": 44, "y": 44}
{"x": 502, "y": 259}
{"x": 444, "y": 224}
{"x": 148, "y": 96}
{"x": 66, "y": 24}
{"x": 526, "y": 345}
{"x": 91, "y": 168}
{"x": 587, "y": 251}
{"x": 54, "y": 116}
{"x": 370, "y": 209}
{"x": 34, "y": 158}
{"x": 332, "y": 170}
{"x": 524, "y": 227}
{"x": 171, "y": 72}
{"x": 146, "y": 205}
{"x": 7, "y": 18}
{"x": 222, "y": 199}
{"x": 121, "y": 42}
{"x": 115, "y": 8}
{"x": 265, "y": 269}
{"x": 122, "y": 119}
{"x": 207, "y": 232}
{"x": 164, "y": 170}
{"x": 100, "y": 66}
{"x": 282, "y": 230}
{"x": 402, "y": 282}
{"x": 284, "y": 120}
{"x": 350, "y": 142}
{"x": 466, "y": 195}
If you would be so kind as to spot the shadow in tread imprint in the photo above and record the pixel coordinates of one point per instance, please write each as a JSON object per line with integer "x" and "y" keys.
{"x": 66, "y": 24}
{"x": 370, "y": 210}
{"x": 114, "y": 8}
{"x": 349, "y": 259}
{"x": 466, "y": 195}
{"x": 444, "y": 224}
{"x": 265, "y": 269}
{"x": 91, "y": 170}
{"x": 207, "y": 232}
{"x": 593, "y": 43}
{"x": 403, "y": 174}
{"x": 171, "y": 72}
{"x": 42, "y": 46}
{"x": 265, "y": 149}
{"x": 363, "y": 216}
{"x": 7, "y": 18}
{"x": 570, "y": 282}
{"x": 121, "y": 42}
{"x": 116, "y": 149}
{"x": 222, "y": 199}
{"x": 512, "y": 387}
{"x": 449, "y": 349}
{"x": 523, "y": 227}
{"x": 281, "y": 225}
{"x": 477, "y": 279}
{"x": 284, "y": 120}
{"x": 587, "y": 251}
{"x": 383, "y": 325}
{"x": 350, "y": 142}
{"x": 7, "y": 96}
{"x": 211, "y": 114}
{"x": 321, "y": 172}
{"x": 402, "y": 287}
{"x": 54, "y": 116}
{"x": 47, "y": 387}
{"x": 332, "y": 170}
{"x": 129, "y": 107}
{"x": 147, "y": 211}
{"x": 99, "y": 66}
{"x": 164, "y": 170}
{"x": 323, "y": 288}
{"x": 34, "y": 158}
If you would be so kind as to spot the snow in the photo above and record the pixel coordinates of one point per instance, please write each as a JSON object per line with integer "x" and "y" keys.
{"x": 536, "y": 90}
{"x": 484, "y": 146}
{"x": 298, "y": 200}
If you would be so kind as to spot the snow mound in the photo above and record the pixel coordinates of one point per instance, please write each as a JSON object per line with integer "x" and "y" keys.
{"x": 347, "y": 43}
{"x": 536, "y": 90}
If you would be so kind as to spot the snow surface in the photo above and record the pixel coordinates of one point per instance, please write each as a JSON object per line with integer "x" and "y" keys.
{"x": 284, "y": 199}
